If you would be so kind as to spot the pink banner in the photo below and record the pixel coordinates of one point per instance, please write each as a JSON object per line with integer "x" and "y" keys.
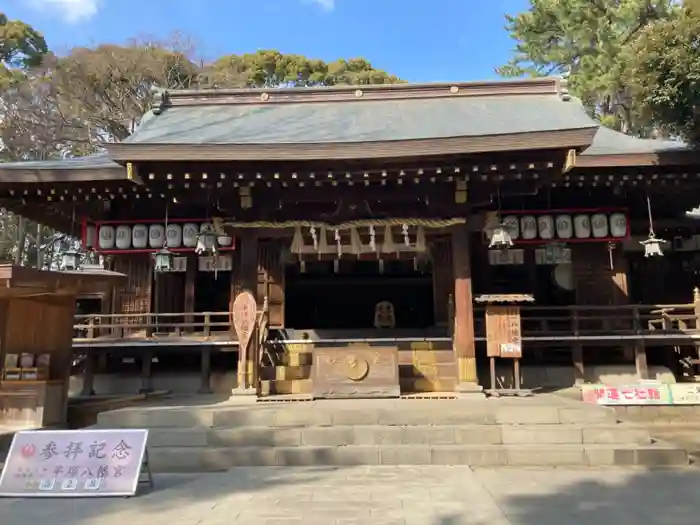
{"x": 74, "y": 463}
{"x": 641, "y": 394}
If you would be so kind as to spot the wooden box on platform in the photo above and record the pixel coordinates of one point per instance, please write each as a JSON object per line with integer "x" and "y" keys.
{"x": 355, "y": 372}
{"x": 504, "y": 336}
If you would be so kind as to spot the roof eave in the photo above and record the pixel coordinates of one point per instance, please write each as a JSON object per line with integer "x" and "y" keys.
{"x": 579, "y": 138}
{"x": 620, "y": 160}
{"x": 56, "y": 175}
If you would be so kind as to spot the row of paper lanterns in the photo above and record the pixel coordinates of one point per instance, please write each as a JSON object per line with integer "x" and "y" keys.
{"x": 142, "y": 236}
{"x": 581, "y": 226}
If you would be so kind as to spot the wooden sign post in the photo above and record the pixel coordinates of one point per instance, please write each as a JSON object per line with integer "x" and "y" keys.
{"x": 244, "y": 314}
{"x": 504, "y": 337}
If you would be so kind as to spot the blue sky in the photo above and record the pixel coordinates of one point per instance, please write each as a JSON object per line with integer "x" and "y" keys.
{"x": 418, "y": 40}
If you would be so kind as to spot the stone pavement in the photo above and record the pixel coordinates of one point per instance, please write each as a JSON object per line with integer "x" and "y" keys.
{"x": 424, "y": 495}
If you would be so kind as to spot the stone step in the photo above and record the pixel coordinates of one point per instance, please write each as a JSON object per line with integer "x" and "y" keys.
{"x": 355, "y": 412}
{"x": 396, "y": 435}
{"x": 189, "y": 459}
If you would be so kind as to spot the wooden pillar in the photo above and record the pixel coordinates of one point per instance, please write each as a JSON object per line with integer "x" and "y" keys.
{"x": 146, "y": 372}
{"x": 205, "y": 371}
{"x": 89, "y": 374}
{"x": 463, "y": 339}
{"x": 190, "y": 276}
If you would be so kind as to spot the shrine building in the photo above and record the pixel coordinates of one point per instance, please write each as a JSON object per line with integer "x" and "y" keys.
{"x": 363, "y": 217}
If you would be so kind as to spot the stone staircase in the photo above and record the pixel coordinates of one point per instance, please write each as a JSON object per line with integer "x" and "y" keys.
{"x": 542, "y": 431}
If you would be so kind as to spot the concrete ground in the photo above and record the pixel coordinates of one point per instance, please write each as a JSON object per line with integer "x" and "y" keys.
{"x": 425, "y": 495}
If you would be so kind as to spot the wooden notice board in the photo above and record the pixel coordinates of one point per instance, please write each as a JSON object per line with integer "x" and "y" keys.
{"x": 503, "y": 335}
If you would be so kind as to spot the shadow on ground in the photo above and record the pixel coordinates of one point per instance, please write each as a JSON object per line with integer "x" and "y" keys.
{"x": 586, "y": 497}
{"x": 185, "y": 499}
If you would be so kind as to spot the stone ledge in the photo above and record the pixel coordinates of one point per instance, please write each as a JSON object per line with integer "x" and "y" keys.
{"x": 177, "y": 459}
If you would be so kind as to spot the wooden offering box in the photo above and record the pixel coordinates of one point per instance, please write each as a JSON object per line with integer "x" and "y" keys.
{"x": 503, "y": 336}
{"x": 356, "y": 372}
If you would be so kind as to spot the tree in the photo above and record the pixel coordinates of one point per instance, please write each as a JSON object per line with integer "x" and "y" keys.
{"x": 109, "y": 88}
{"x": 587, "y": 40}
{"x": 21, "y": 47}
{"x": 270, "y": 68}
{"x": 664, "y": 72}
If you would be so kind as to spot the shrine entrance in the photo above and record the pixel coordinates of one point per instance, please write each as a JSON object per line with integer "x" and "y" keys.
{"x": 343, "y": 294}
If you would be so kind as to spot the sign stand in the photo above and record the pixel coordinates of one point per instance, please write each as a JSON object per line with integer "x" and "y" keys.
{"x": 504, "y": 338}
{"x": 145, "y": 475}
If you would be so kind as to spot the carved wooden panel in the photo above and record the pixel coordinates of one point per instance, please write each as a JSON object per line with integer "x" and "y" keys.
{"x": 135, "y": 296}
{"x": 347, "y": 372}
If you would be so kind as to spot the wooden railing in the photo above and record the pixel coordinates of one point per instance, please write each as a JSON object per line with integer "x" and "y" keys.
{"x": 542, "y": 323}
{"x": 604, "y": 322}
{"x": 150, "y": 325}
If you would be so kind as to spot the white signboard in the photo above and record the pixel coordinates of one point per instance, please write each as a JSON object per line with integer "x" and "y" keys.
{"x": 502, "y": 257}
{"x": 74, "y": 463}
{"x": 562, "y": 256}
{"x": 222, "y": 263}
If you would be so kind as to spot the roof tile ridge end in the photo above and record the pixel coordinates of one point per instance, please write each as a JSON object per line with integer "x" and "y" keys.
{"x": 160, "y": 99}
{"x": 562, "y": 87}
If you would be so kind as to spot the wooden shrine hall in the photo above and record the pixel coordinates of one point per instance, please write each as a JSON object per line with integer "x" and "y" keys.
{"x": 386, "y": 233}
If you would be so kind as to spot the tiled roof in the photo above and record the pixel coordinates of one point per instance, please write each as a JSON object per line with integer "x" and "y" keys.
{"x": 361, "y": 121}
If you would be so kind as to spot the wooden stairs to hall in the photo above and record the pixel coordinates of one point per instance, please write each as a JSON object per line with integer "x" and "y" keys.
{"x": 423, "y": 367}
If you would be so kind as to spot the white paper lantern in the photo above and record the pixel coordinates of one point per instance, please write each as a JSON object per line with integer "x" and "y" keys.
{"x": 545, "y": 226}
{"x": 528, "y": 227}
{"x": 106, "y": 240}
{"x": 189, "y": 234}
{"x": 564, "y": 226}
{"x": 90, "y": 236}
{"x": 618, "y": 225}
{"x": 174, "y": 235}
{"x": 224, "y": 240}
{"x": 139, "y": 236}
{"x": 599, "y": 225}
{"x": 156, "y": 235}
{"x": 123, "y": 235}
{"x": 512, "y": 224}
{"x": 582, "y": 226}
{"x": 209, "y": 240}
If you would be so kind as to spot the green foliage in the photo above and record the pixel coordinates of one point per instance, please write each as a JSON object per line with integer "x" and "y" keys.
{"x": 588, "y": 40}
{"x": 21, "y": 47}
{"x": 270, "y": 68}
{"x": 664, "y": 74}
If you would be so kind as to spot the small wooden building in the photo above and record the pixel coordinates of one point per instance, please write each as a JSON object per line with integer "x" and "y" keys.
{"x": 36, "y": 334}
{"x": 365, "y": 215}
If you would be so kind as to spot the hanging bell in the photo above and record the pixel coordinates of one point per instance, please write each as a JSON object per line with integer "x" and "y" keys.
{"x": 652, "y": 246}
{"x": 500, "y": 238}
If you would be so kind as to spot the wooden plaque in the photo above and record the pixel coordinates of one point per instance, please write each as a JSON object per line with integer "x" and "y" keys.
{"x": 503, "y": 337}
{"x": 355, "y": 372}
{"x": 244, "y": 313}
